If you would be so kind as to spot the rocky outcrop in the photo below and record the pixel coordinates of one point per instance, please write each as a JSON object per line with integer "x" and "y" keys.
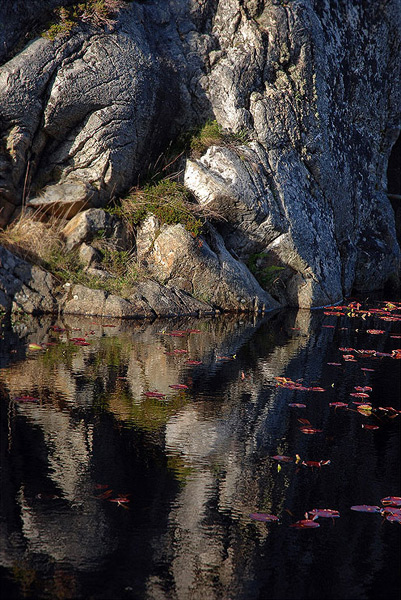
{"x": 25, "y": 287}
{"x": 313, "y": 87}
{"x": 30, "y": 289}
{"x": 201, "y": 266}
{"x": 90, "y": 224}
{"x": 149, "y": 299}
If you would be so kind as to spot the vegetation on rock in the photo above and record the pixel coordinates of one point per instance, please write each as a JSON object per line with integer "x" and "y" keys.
{"x": 42, "y": 244}
{"x": 168, "y": 200}
{"x": 266, "y": 274}
{"x": 212, "y": 134}
{"x": 96, "y": 12}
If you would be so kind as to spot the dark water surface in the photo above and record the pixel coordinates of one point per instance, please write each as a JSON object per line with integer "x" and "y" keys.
{"x": 107, "y": 493}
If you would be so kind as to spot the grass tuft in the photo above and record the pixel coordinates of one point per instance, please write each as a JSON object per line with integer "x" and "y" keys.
{"x": 212, "y": 134}
{"x": 168, "y": 200}
{"x": 42, "y": 245}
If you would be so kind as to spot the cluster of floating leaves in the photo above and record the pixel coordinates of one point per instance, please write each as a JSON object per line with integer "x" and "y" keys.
{"x": 355, "y": 309}
{"x": 360, "y": 403}
{"x": 296, "y": 385}
{"x": 309, "y": 522}
{"x": 390, "y": 509}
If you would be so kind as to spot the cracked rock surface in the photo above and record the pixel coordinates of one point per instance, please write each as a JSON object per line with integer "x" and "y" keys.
{"x": 313, "y": 84}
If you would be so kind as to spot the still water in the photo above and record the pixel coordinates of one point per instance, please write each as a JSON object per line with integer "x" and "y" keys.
{"x": 116, "y": 485}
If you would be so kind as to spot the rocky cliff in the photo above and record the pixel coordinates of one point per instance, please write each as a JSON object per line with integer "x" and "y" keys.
{"x": 310, "y": 87}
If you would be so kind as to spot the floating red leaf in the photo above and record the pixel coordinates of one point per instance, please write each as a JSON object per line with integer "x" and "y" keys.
{"x": 315, "y": 463}
{"x": 349, "y": 358}
{"x": 366, "y": 508}
{"x": 155, "y": 394}
{"x": 375, "y": 331}
{"x": 371, "y": 427}
{"x": 359, "y": 395}
{"x": 394, "y": 518}
{"x": 178, "y": 386}
{"x": 368, "y": 405}
{"x": 264, "y": 517}
{"x": 310, "y": 430}
{"x": 391, "y": 410}
{"x": 193, "y": 362}
{"x": 338, "y": 404}
{"x": 297, "y": 405}
{"x": 325, "y": 513}
{"x": 305, "y": 524}
{"x": 391, "y": 501}
{"x": 282, "y": 458}
{"x": 296, "y": 385}
{"x": 391, "y": 510}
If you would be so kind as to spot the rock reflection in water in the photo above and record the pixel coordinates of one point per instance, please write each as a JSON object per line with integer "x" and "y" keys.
{"x": 191, "y": 465}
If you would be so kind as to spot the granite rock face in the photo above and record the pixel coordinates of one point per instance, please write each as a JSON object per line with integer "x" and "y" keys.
{"x": 25, "y": 287}
{"x": 89, "y": 224}
{"x": 202, "y": 267}
{"x": 29, "y": 289}
{"x": 313, "y": 86}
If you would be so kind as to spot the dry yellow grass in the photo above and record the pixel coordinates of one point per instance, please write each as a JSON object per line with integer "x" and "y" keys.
{"x": 31, "y": 238}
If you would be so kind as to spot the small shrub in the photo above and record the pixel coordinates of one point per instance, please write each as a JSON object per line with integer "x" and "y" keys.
{"x": 97, "y": 12}
{"x": 57, "y": 30}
